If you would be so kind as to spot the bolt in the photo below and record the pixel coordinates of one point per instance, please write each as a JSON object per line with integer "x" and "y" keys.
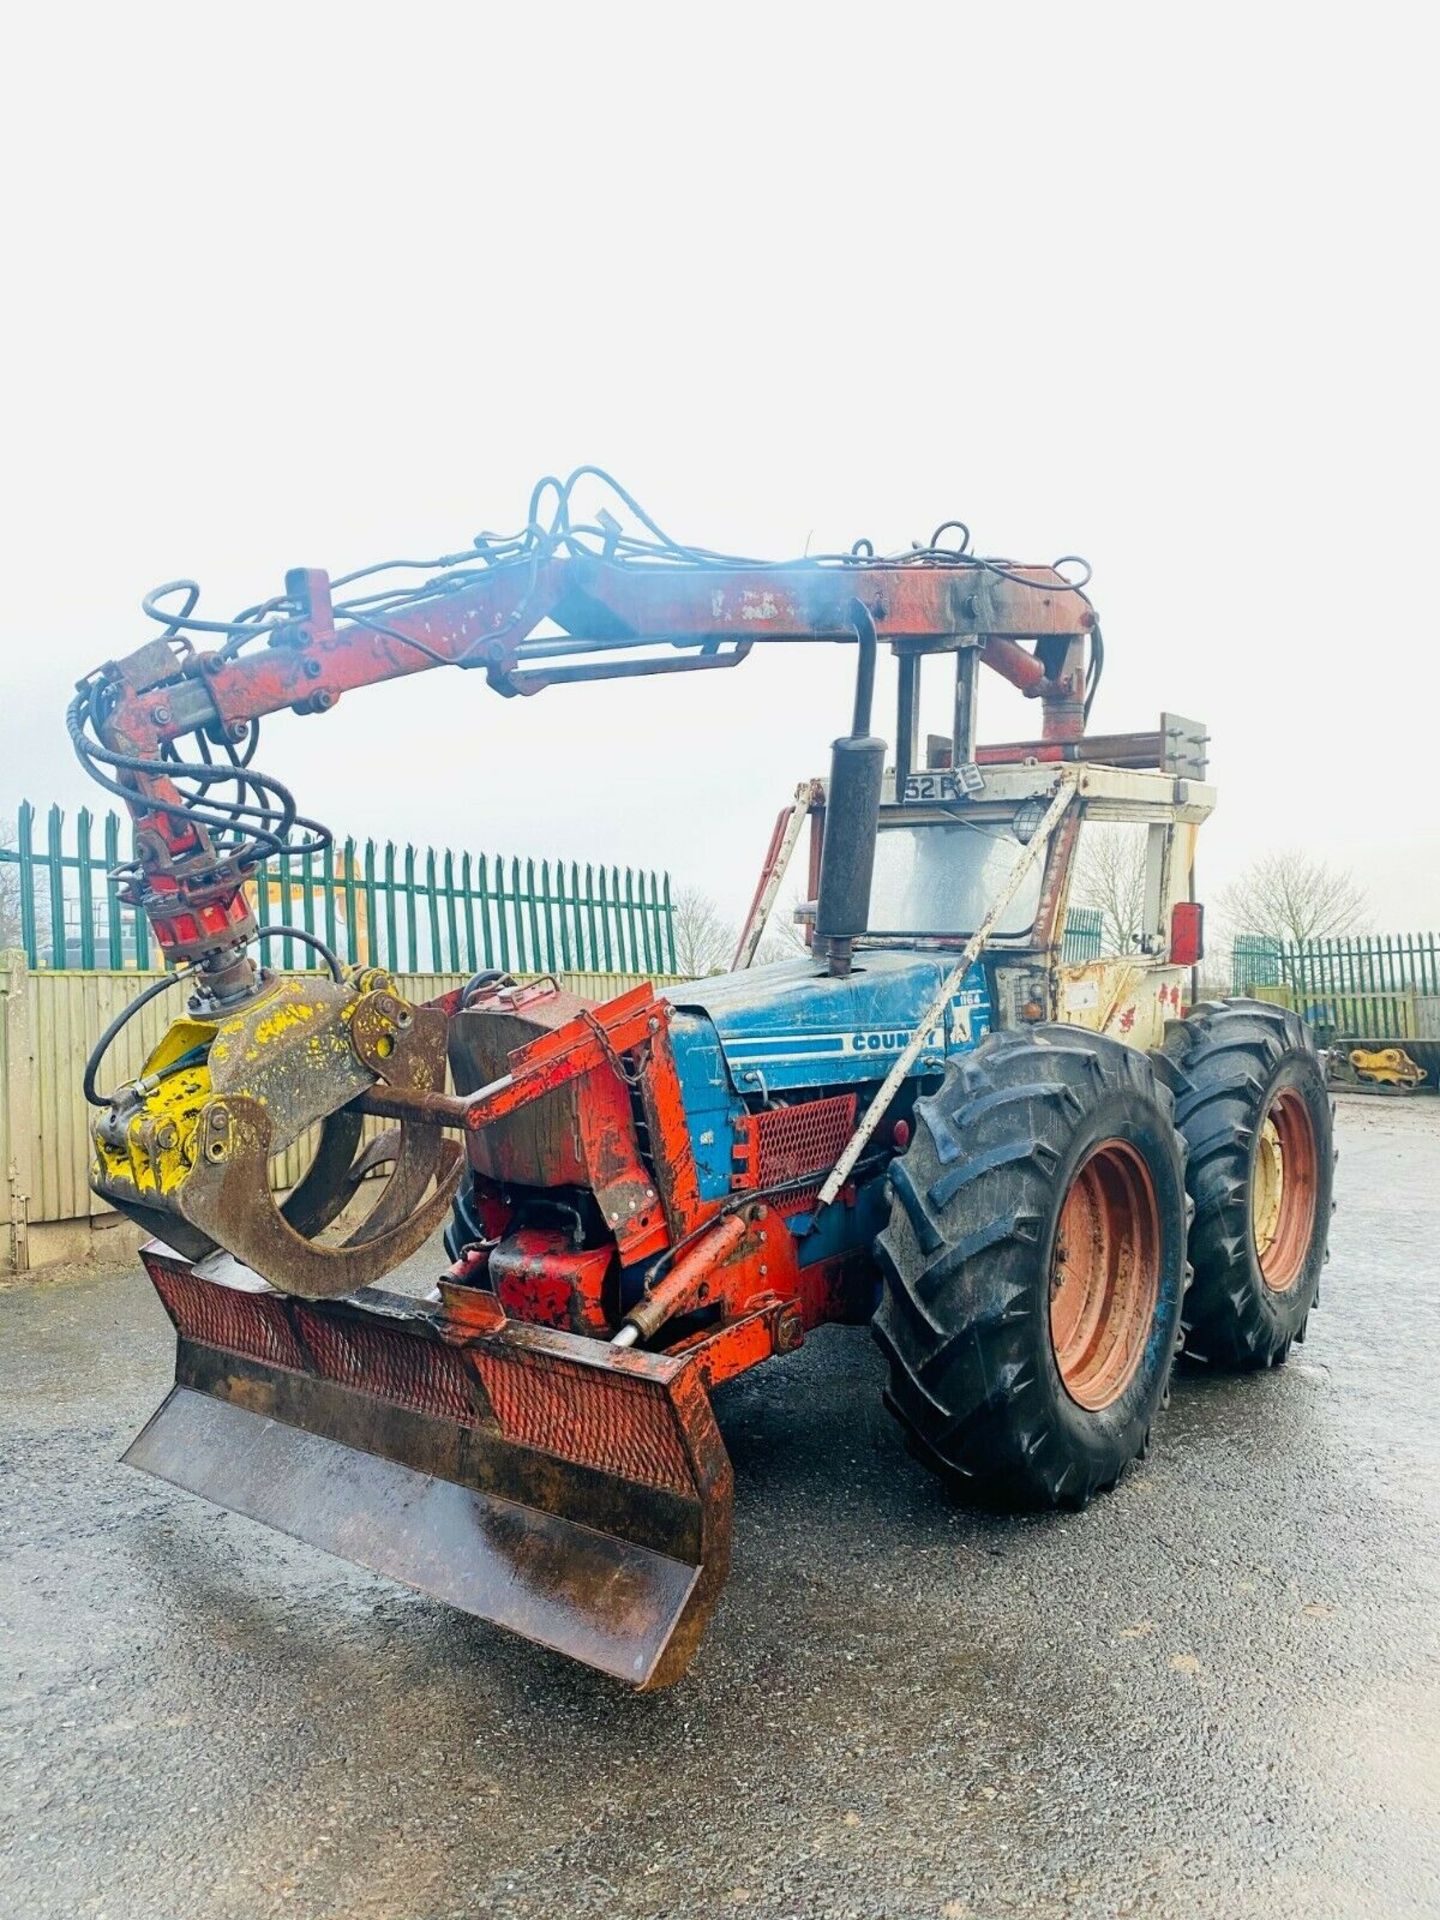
{"x": 313, "y": 668}
{"x": 322, "y": 700}
{"x": 160, "y": 715}
{"x": 237, "y": 729}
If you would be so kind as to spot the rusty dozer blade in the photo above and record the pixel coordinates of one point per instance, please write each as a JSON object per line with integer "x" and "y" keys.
{"x": 575, "y": 1493}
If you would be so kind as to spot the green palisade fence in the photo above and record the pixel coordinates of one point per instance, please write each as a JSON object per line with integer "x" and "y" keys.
{"x": 412, "y": 911}
{"x": 1364, "y": 985}
{"x": 1084, "y": 934}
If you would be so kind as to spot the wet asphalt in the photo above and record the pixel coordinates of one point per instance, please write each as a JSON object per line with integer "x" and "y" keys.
{"x": 1216, "y": 1693}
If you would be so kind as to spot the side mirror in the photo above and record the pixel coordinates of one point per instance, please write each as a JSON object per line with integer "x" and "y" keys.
{"x": 1187, "y": 934}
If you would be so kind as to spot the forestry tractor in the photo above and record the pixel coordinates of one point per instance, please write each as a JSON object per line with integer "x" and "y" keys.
{"x": 1035, "y": 1177}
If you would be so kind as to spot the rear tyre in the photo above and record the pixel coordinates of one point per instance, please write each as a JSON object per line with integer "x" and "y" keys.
{"x": 1034, "y": 1266}
{"x": 1251, "y": 1101}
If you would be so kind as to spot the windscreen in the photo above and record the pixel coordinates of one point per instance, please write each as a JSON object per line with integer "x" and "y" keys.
{"x": 942, "y": 876}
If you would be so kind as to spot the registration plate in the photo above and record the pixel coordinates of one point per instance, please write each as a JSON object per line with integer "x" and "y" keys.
{"x": 949, "y": 783}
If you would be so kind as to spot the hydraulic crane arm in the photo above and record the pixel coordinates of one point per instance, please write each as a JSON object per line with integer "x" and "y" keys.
{"x": 546, "y": 613}
{"x": 259, "y": 1058}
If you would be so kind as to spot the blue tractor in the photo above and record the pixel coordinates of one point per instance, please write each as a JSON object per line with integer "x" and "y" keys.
{"x": 1034, "y": 1173}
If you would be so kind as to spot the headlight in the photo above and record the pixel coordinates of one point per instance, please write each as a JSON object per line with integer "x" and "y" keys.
{"x": 1022, "y": 995}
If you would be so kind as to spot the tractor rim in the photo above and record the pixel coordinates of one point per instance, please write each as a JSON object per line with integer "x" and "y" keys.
{"x": 1283, "y": 1190}
{"x": 1104, "y": 1274}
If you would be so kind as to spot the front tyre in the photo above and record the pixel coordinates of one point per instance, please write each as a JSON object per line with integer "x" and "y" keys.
{"x": 1034, "y": 1265}
{"x": 1251, "y": 1100}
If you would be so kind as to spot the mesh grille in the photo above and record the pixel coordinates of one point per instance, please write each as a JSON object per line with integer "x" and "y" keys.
{"x": 609, "y": 1421}
{"x": 250, "y": 1324}
{"x": 785, "y": 1142}
{"x": 606, "y": 1420}
{"x": 388, "y": 1363}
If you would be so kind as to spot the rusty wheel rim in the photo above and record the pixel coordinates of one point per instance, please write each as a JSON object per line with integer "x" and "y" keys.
{"x": 1283, "y": 1190}
{"x": 1104, "y": 1274}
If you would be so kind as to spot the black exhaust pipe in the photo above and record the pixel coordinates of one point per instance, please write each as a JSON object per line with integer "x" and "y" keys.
{"x": 852, "y": 814}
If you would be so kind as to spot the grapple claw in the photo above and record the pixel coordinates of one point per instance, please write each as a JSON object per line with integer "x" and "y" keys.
{"x": 228, "y": 1199}
{"x": 186, "y": 1149}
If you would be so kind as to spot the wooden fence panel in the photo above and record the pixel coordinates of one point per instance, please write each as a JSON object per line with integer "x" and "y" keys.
{"x": 68, "y": 1010}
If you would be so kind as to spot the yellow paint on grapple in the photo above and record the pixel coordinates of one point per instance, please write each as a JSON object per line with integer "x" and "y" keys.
{"x": 185, "y": 1149}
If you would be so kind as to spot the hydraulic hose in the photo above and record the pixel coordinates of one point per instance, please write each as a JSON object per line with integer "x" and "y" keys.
{"x": 128, "y": 1012}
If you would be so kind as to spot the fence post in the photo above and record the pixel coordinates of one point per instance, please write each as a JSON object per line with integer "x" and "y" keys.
{"x": 55, "y": 861}
{"x": 114, "y": 925}
{"x": 391, "y": 958}
{"x": 17, "y": 1103}
{"x": 85, "y": 887}
{"x": 25, "y": 847}
{"x": 432, "y": 901}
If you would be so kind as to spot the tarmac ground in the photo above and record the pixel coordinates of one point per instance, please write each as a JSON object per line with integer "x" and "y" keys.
{"x": 1215, "y": 1693}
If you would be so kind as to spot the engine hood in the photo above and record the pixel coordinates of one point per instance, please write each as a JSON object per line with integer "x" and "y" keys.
{"x": 793, "y": 1025}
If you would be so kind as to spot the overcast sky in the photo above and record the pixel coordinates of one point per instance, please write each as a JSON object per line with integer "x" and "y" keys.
{"x": 314, "y": 285}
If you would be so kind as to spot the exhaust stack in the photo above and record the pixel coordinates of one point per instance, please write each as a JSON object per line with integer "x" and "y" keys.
{"x": 852, "y": 814}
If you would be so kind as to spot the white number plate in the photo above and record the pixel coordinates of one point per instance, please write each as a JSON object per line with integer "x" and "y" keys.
{"x": 957, "y": 783}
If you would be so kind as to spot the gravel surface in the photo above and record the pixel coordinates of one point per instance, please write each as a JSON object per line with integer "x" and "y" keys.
{"x": 1216, "y": 1693}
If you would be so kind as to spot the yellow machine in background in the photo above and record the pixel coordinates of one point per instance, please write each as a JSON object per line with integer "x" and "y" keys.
{"x": 1385, "y": 1067}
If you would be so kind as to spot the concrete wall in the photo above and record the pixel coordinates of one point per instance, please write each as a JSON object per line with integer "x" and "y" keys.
{"x": 48, "y": 1024}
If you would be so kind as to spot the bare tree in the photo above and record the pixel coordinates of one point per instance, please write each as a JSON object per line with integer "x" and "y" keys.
{"x": 782, "y": 939}
{"x": 10, "y": 929}
{"x": 1289, "y": 896}
{"x": 704, "y": 940}
{"x": 1110, "y": 878}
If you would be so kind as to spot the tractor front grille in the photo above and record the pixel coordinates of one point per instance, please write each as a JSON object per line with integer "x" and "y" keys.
{"x": 785, "y": 1143}
{"x": 254, "y": 1326}
{"x": 387, "y": 1361}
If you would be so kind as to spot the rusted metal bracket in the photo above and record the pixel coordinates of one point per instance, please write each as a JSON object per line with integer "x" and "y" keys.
{"x": 808, "y": 795}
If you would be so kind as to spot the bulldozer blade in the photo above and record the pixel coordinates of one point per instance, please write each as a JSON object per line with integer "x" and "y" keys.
{"x": 575, "y": 1493}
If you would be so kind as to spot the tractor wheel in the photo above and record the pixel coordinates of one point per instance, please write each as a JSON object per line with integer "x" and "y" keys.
{"x": 1251, "y": 1101}
{"x": 1034, "y": 1266}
